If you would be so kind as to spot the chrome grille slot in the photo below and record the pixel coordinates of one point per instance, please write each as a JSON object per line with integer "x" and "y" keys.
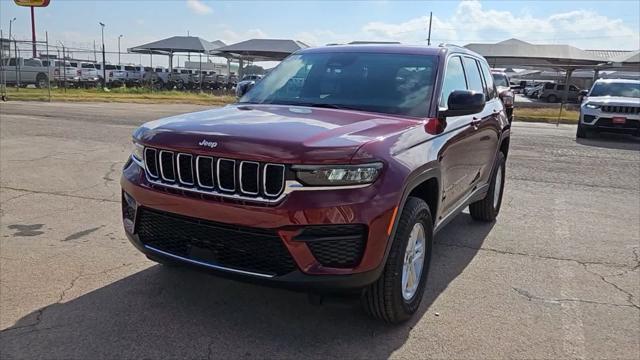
{"x": 250, "y": 177}
{"x": 228, "y": 178}
{"x": 151, "y": 162}
{"x": 273, "y": 179}
{"x": 621, "y": 109}
{"x": 185, "y": 168}
{"x": 204, "y": 171}
{"x": 226, "y": 171}
{"x": 167, "y": 166}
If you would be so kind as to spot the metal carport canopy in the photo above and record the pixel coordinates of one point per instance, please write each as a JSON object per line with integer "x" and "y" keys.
{"x": 515, "y": 52}
{"x": 178, "y": 44}
{"x": 262, "y": 49}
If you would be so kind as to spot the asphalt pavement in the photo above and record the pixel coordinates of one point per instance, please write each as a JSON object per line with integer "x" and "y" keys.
{"x": 556, "y": 276}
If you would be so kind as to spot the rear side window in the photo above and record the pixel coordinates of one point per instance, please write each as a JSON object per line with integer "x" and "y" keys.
{"x": 12, "y": 62}
{"x": 560, "y": 87}
{"x": 88, "y": 66}
{"x": 111, "y": 67}
{"x": 491, "y": 92}
{"x": 31, "y": 62}
{"x": 474, "y": 79}
{"x": 549, "y": 86}
{"x": 453, "y": 79}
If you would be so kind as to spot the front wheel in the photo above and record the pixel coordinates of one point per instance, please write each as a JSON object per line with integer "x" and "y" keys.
{"x": 581, "y": 132}
{"x": 488, "y": 208}
{"x": 397, "y": 294}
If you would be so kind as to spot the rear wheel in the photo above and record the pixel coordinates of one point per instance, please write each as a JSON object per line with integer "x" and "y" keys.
{"x": 397, "y": 294}
{"x": 42, "y": 81}
{"x": 552, "y": 98}
{"x": 488, "y": 208}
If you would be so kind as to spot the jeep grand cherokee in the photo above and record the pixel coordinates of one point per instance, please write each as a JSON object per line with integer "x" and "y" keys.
{"x": 331, "y": 174}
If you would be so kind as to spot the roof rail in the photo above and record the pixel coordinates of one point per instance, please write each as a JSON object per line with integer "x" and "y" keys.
{"x": 450, "y": 45}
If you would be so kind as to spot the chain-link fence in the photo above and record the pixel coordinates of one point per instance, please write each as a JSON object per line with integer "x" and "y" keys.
{"x": 56, "y": 67}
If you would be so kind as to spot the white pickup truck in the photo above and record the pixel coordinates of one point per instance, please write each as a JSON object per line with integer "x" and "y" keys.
{"x": 63, "y": 73}
{"x": 115, "y": 76}
{"x": 23, "y": 72}
{"x": 88, "y": 73}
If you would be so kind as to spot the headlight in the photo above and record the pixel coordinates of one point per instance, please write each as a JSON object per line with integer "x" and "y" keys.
{"x": 138, "y": 151}
{"x": 335, "y": 175}
{"x": 593, "y": 106}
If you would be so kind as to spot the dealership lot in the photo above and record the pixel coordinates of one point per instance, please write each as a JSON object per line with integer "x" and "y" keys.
{"x": 558, "y": 275}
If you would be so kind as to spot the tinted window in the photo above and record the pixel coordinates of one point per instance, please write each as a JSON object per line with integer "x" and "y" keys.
{"x": 110, "y": 67}
{"x": 560, "y": 87}
{"x": 488, "y": 80}
{"x": 129, "y": 68}
{"x": 98, "y": 66}
{"x": 74, "y": 64}
{"x": 500, "y": 80}
{"x": 474, "y": 81}
{"x": 12, "y": 62}
{"x": 32, "y": 62}
{"x": 453, "y": 79}
{"x": 88, "y": 66}
{"x": 549, "y": 86}
{"x": 573, "y": 88}
{"x": 385, "y": 83}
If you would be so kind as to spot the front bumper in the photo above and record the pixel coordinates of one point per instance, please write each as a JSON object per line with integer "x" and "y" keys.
{"x": 595, "y": 119}
{"x": 296, "y": 212}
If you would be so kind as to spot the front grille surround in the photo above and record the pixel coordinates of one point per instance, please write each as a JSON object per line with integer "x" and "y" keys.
{"x": 621, "y": 109}
{"x": 216, "y": 176}
{"x": 335, "y": 246}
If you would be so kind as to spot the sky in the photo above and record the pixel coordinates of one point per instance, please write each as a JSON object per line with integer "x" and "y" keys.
{"x": 584, "y": 24}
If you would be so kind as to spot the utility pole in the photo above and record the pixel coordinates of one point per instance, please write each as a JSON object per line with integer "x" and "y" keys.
{"x": 430, "y": 18}
{"x": 10, "y": 23}
{"x": 104, "y": 61}
{"x": 33, "y": 31}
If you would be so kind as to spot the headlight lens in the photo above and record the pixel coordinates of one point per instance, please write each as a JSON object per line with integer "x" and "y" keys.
{"x": 593, "y": 106}
{"x": 336, "y": 175}
{"x": 138, "y": 151}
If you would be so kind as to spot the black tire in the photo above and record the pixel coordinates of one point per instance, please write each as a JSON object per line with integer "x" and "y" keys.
{"x": 552, "y": 98}
{"x": 384, "y": 299}
{"x": 487, "y": 209}
{"x": 42, "y": 81}
{"x": 581, "y": 132}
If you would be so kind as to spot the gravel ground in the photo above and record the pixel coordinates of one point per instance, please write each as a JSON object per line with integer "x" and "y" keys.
{"x": 556, "y": 276}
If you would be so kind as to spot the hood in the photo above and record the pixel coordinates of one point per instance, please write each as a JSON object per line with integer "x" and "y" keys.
{"x": 613, "y": 100}
{"x": 272, "y": 133}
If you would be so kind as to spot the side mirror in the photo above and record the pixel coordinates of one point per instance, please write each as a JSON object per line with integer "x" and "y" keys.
{"x": 583, "y": 92}
{"x": 463, "y": 102}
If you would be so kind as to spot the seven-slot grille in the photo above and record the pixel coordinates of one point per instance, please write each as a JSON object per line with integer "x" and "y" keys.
{"x": 631, "y": 110}
{"x": 218, "y": 176}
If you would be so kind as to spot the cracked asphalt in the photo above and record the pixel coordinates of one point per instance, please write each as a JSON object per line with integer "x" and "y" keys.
{"x": 556, "y": 276}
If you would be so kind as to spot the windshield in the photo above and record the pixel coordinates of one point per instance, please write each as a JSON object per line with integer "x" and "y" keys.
{"x": 500, "y": 80}
{"x": 616, "y": 89}
{"x": 385, "y": 83}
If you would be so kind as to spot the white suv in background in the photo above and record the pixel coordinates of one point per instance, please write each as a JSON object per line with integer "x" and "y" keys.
{"x": 612, "y": 105}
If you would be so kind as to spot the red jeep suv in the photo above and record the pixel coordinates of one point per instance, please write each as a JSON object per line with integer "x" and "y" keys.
{"x": 331, "y": 174}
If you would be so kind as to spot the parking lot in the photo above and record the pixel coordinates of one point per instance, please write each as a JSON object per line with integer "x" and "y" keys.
{"x": 557, "y": 276}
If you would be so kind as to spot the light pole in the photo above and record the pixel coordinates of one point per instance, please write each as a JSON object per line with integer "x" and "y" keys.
{"x": 104, "y": 61}
{"x": 10, "y": 23}
{"x": 119, "y": 37}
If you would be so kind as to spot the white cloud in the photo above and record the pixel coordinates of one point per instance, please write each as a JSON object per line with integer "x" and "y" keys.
{"x": 470, "y": 22}
{"x": 198, "y": 7}
{"x": 230, "y": 36}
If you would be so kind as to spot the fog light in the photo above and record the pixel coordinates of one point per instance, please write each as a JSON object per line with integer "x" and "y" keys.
{"x": 129, "y": 207}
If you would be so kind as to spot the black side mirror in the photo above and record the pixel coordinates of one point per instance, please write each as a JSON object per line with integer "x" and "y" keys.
{"x": 583, "y": 92}
{"x": 464, "y": 102}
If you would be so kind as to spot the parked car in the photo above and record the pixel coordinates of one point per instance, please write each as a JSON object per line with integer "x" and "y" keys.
{"x": 612, "y": 105}
{"x": 23, "y": 72}
{"x": 554, "y": 92}
{"x": 181, "y": 79}
{"x": 64, "y": 74}
{"x": 89, "y": 76}
{"x": 247, "y": 82}
{"x": 115, "y": 76}
{"x": 336, "y": 183}
{"x": 135, "y": 74}
{"x": 504, "y": 90}
{"x": 534, "y": 90}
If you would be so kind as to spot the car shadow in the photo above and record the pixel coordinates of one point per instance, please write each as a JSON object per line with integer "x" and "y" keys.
{"x": 611, "y": 141}
{"x": 164, "y": 312}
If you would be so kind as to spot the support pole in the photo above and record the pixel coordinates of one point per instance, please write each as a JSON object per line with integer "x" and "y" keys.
{"x": 565, "y": 94}
{"x": 46, "y": 37}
